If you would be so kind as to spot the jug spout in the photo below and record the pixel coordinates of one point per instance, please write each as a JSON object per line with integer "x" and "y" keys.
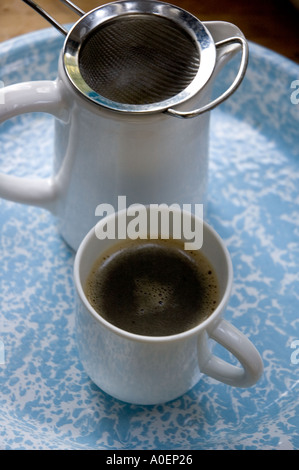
{"x": 228, "y": 40}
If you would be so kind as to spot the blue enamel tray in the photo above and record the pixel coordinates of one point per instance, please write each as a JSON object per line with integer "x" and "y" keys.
{"x": 46, "y": 399}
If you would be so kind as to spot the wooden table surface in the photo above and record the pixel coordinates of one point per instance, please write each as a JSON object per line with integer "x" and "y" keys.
{"x": 271, "y": 23}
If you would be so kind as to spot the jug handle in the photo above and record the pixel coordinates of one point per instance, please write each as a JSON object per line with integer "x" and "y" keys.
{"x": 237, "y": 81}
{"x": 37, "y": 96}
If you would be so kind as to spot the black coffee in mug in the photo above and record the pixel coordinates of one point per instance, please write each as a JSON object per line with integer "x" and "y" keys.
{"x": 153, "y": 287}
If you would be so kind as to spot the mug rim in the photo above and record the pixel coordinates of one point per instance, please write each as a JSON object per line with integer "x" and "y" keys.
{"x": 201, "y": 327}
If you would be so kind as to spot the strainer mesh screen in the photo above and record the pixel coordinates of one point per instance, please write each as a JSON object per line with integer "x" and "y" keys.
{"x": 138, "y": 59}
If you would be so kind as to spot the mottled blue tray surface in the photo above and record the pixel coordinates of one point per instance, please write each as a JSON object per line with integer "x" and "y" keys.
{"x": 46, "y": 399}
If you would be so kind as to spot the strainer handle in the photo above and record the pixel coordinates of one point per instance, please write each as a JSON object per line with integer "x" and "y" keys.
{"x": 239, "y": 77}
{"x": 38, "y": 96}
{"x": 50, "y": 18}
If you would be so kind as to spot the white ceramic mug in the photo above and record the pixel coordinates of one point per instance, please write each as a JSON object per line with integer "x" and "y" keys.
{"x": 105, "y": 149}
{"x": 150, "y": 370}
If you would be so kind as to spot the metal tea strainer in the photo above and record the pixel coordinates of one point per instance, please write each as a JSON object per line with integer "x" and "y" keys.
{"x": 141, "y": 56}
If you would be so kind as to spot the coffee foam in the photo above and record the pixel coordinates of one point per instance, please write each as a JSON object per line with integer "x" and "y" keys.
{"x": 173, "y": 290}
{"x": 157, "y": 294}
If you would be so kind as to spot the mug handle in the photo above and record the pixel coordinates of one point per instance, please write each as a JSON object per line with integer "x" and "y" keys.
{"x": 37, "y": 96}
{"x": 240, "y": 346}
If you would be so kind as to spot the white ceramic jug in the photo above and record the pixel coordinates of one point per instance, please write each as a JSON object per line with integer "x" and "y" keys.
{"x": 109, "y": 144}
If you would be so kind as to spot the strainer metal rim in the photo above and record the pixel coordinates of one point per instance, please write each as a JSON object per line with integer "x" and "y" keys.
{"x": 93, "y": 19}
